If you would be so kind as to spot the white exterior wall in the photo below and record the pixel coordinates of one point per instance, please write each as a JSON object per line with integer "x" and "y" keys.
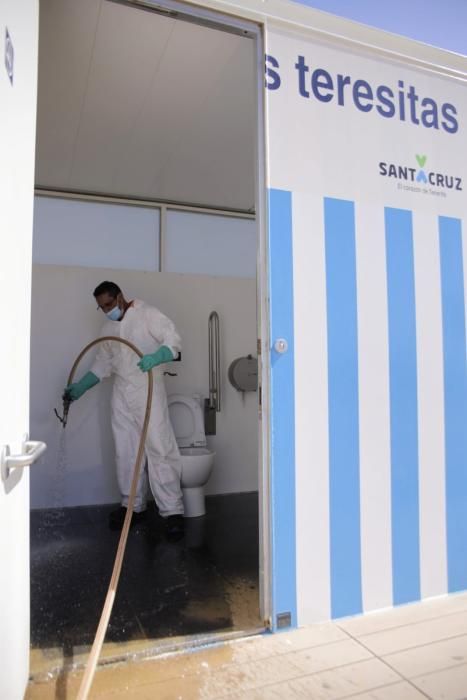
{"x": 375, "y": 522}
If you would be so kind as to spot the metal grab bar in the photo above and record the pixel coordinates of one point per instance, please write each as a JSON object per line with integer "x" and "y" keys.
{"x": 31, "y": 451}
{"x": 214, "y": 362}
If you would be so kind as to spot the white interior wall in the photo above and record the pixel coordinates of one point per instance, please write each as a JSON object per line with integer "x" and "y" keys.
{"x": 64, "y": 319}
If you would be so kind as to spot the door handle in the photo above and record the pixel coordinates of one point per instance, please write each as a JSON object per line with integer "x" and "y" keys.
{"x": 32, "y": 450}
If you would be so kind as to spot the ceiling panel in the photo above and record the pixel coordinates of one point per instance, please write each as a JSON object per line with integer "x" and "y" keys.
{"x": 129, "y": 44}
{"x": 178, "y": 104}
{"x": 223, "y": 143}
{"x": 66, "y": 36}
{"x": 133, "y": 103}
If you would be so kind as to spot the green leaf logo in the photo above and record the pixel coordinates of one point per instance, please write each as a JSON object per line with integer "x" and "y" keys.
{"x": 421, "y": 160}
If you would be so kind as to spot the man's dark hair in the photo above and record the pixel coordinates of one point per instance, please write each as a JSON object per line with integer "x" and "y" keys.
{"x": 107, "y": 288}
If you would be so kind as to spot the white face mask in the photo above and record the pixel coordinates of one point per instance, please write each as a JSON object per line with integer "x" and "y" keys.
{"x": 114, "y": 314}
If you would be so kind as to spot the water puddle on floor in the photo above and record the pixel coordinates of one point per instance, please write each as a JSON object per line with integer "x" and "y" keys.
{"x": 172, "y": 597}
{"x": 185, "y": 675}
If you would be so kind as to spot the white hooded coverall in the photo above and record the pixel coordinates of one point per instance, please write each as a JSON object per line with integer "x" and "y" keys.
{"x": 148, "y": 329}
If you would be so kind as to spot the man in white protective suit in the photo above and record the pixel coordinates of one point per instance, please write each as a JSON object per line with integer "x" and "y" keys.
{"x": 156, "y": 337}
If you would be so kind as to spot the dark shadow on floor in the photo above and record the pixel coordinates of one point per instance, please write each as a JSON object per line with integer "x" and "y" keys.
{"x": 193, "y": 586}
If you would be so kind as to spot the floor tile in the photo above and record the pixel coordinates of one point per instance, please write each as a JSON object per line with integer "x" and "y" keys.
{"x": 450, "y": 684}
{"x": 429, "y": 658}
{"x": 206, "y": 583}
{"x": 400, "y": 638}
{"x": 404, "y": 615}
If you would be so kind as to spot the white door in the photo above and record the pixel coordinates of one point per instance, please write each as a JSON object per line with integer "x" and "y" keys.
{"x": 18, "y": 78}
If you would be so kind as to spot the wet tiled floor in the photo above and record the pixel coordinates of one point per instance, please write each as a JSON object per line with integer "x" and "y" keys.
{"x": 414, "y": 652}
{"x": 206, "y": 583}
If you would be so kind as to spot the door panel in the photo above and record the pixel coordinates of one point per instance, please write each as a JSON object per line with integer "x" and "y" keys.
{"x": 18, "y": 77}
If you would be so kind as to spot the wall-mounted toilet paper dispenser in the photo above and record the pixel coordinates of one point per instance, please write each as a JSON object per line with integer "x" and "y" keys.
{"x": 243, "y": 373}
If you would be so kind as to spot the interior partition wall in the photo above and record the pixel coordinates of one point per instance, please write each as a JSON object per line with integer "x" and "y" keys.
{"x": 114, "y": 233}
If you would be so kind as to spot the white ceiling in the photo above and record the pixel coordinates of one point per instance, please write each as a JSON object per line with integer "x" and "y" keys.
{"x": 135, "y": 104}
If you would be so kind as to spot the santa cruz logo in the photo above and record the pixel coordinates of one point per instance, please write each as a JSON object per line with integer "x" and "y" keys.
{"x": 420, "y": 175}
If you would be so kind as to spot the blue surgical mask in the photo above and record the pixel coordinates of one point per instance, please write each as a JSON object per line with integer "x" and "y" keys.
{"x": 114, "y": 314}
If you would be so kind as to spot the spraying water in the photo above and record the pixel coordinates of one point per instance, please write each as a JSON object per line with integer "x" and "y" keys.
{"x": 55, "y": 517}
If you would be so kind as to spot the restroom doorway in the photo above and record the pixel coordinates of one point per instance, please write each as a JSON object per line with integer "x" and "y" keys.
{"x": 148, "y": 172}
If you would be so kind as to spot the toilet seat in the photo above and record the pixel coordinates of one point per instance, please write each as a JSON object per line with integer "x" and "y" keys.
{"x": 186, "y": 416}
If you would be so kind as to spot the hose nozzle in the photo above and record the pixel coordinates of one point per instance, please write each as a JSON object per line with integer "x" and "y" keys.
{"x": 66, "y": 407}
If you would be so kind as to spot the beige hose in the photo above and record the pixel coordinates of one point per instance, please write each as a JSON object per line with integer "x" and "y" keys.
{"x": 112, "y": 590}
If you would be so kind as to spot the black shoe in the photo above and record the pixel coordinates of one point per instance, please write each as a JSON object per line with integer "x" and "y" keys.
{"x": 175, "y": 528}
{"x": 117, "y": 517}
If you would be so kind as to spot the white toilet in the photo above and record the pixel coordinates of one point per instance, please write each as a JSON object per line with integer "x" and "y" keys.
{"x": 186, "y": 416}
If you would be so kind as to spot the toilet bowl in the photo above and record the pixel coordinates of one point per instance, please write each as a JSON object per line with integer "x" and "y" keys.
{"x": 186, "y": 416}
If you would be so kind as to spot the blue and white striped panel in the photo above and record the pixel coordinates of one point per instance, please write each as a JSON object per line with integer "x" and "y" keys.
{"x": 380, "y": 406}
{"x": 403, "y": 396}
{"x": 455, "y": 399}
{"x": 343, "y": 400}
{"x": 430, "y": 383}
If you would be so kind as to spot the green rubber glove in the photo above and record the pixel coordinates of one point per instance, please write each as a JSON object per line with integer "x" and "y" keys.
{"x": 147, "y": 362}
{"x": 74, "y": 391}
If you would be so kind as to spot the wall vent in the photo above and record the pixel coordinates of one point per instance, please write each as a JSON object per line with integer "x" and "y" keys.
{"x": 283, "y": 620}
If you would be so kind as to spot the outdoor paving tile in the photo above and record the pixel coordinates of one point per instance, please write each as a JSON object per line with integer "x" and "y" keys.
{"x": 146, "y": 680}
{"x": 201, "y": 685}
{"x": 329, "y": 656}
{"x": 239, "y": 654}
{"x": 134, "y": 676}
{"x": 400, "y": 638}
{"x": 40, "y": 691}
{"x": 158, "y": 670}
{"x": 249, "y": 676}
{"x": 450, "y": 684}
{"x": 303, "y": 638}
{"x": 266, "y": 645}
{"x": 172, "y": 689}
{"x": 431, "y": 657}
{"x": 396, "y": 691}
{"x": 327, "y": 685}
{"x": 132, "y": 684}
{"x": 320, "y": 662}
{"x": 404, "y": 615}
